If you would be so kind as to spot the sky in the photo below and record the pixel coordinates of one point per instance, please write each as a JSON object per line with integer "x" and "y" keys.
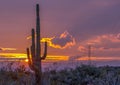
{"x": 68, "y": 25}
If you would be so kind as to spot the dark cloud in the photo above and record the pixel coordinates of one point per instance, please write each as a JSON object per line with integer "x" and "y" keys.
{"x": 96, "y": 21}
{"x": 82, "y": 18}
{"x": 65, "y": 40}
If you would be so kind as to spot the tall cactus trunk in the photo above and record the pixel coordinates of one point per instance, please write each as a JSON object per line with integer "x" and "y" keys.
{"x": 38, "y": 78}
{"x": 38, "y": 47}
{"x": 35, "y": 59}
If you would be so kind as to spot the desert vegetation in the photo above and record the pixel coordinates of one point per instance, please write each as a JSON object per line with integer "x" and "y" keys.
{"x": 81, "y": 75}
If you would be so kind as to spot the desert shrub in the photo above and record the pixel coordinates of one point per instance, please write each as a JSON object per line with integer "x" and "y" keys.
{"x": 81, "y": 75}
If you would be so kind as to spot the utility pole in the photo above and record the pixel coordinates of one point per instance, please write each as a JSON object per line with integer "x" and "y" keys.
{"x": 89, "y": 54}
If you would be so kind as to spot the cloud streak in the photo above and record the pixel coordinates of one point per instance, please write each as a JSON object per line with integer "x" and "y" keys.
{"x": 106, "y": 45}
{"x": 7, "y": 49}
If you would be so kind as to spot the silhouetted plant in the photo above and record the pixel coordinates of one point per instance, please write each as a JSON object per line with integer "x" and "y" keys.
{"x": 35, "y": 58}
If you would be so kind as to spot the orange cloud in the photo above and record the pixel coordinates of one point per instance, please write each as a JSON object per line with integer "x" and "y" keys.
{"x": 107, "y": 42}
{"x": 114, "y": 38}
{"x": 65, "y": 40}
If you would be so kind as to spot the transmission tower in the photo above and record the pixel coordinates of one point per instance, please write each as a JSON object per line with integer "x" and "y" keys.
{"x": 89, "y": 54}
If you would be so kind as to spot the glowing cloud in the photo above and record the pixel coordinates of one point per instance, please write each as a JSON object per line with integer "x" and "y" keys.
{"x": 98, "y": 58}
{"x": 7, "y": 49}
{"x": 13, "y": 55}
{"x": 65, "y": 40}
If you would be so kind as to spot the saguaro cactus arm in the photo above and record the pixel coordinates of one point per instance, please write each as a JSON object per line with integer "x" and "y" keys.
{"x": 29, "y": 59}
{"x": 45, "y": 52}
{"x": 28, "y": 56}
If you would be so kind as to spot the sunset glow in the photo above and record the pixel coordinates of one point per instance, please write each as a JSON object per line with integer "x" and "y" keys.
{"x": 13, "y": 55}
{"x": 67, "y": 33}
{"x": 22, "y": 56}
{"x": 26, "y": 60}
{"x": 98, "y": 58}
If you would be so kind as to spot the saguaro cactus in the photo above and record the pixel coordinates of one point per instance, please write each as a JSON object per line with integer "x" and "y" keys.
{"x": 35, "y": 57}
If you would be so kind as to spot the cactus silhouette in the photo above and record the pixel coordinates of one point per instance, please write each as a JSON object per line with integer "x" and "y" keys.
{"x": 34, "y": 56}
